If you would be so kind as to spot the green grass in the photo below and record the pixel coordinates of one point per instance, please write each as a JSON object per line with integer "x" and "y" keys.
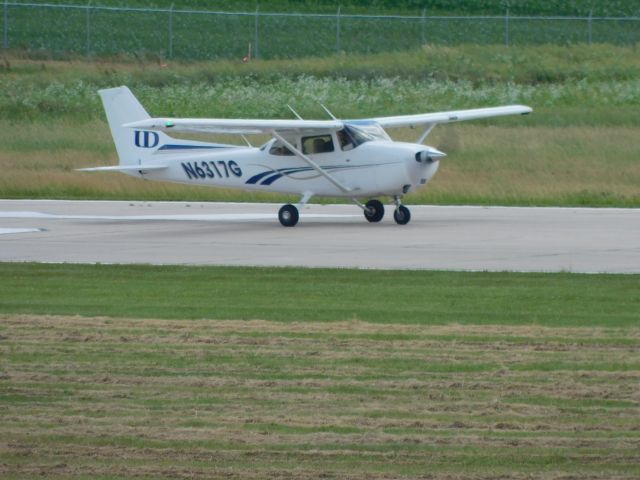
{"x": 577, "y": 149}
{"x": 287, "y": 294}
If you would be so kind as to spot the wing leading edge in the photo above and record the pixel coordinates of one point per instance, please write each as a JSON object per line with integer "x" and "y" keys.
{"x": 258, "y": 126}
{"x": 451, "y": 116}
{"x": 234, "y": 126}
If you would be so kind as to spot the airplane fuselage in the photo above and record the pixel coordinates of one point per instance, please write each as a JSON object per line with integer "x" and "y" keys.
{"x": 371, "y": 169}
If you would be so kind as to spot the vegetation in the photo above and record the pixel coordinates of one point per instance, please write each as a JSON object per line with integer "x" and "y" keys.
{"x": 290, "y": 294}
{"x": 271, "y": 373}
{"x": 578, "y": 148}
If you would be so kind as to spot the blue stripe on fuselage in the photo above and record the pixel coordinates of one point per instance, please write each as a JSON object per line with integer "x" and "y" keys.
{"x": 193, "y": 147}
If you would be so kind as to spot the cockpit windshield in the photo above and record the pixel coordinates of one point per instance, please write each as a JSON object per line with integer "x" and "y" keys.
{"x": 366, "y": 132}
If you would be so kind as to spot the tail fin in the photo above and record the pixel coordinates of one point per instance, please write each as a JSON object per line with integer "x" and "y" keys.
{"x": 134, "y": 147}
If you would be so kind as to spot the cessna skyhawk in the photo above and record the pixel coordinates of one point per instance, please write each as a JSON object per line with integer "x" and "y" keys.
{"x": 354, "y": 159}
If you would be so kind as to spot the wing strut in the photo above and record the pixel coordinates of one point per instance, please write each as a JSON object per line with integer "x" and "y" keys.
{"x": 313, "y": 164}
{"x": 423, "y": 137}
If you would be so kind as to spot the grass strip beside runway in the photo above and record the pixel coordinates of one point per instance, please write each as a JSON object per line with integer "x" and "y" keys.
{"x": 297, "y": 294}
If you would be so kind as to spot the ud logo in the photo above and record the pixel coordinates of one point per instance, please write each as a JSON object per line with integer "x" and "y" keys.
{"x": 146, "y": 139}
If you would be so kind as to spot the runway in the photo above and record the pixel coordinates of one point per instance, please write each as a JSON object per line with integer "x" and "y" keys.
{"x": 443, "y": 238}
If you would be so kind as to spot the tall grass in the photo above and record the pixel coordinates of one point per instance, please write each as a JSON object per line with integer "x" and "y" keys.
{"x": 578, "y": 148}
{"x": 247, "y": 97}
{"x": 603, "y": 79}
{"x": 487, "y": 164}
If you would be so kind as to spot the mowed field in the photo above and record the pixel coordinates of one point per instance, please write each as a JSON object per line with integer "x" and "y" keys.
{"x": 241, "y": 373}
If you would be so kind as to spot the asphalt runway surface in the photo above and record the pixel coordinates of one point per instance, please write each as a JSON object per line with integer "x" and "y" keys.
{"x": 443, "y": 238}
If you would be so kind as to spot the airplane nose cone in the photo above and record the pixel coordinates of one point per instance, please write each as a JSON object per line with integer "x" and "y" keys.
{"x": 429, "y": 155}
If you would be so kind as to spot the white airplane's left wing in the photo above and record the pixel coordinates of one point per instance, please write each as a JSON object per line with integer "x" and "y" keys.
{"x": 452, "y": 116}
{"x": 234, "y": 126}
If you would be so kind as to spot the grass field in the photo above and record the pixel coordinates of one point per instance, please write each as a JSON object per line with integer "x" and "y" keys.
{"x": 578, "y": 148}
{"x": 290, "y": 373}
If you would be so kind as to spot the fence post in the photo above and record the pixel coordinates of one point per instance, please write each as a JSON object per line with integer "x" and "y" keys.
{"x": 256, "y": 32}
{"x": 5, "y": 40}
{"x": 506, "y": 28}
{"x": 424, "y": 26}
{"x": 171, "y": 31}
{"x": 590, "y": 22}
{"x": 88, "y": 27}
{"x": 338, "y": 31}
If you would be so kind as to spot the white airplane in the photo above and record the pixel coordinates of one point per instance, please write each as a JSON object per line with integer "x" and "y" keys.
{"x": 335, "y": 158}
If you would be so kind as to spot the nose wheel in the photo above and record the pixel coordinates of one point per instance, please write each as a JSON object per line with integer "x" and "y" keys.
{"x": 402, "y": 215}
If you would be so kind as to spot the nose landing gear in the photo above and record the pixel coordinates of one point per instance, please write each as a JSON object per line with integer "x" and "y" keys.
{"x": 401, "y": 215}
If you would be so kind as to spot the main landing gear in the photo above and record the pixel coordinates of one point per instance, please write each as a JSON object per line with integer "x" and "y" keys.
{"x": 288, "y": 216}
{"x": 373, "y": 212}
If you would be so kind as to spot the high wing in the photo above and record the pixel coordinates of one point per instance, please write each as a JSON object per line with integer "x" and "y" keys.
{"x": 234, "y": 126}
{"x": 452, "y": 116}
{"x": 258, "y": 126}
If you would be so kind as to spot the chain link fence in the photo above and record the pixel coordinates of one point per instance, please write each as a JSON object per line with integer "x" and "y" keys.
{"x": 195, "y": 34}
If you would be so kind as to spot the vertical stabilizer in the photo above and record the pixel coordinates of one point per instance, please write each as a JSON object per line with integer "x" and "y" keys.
{"x": 122, "y": 107}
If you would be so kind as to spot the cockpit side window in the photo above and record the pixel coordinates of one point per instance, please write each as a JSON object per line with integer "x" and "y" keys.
{"x": 317, "y": 144}
{"x": 279, "y": 149}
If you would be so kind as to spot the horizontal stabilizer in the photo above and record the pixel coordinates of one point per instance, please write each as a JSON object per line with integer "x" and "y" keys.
{"x": 123, "y": 168}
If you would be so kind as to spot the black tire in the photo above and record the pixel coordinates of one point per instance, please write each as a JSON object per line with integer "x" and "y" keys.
{"x": 374, "y": 211}
{"x": 288, "y": 216}
{"x": 402, "y": 215}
